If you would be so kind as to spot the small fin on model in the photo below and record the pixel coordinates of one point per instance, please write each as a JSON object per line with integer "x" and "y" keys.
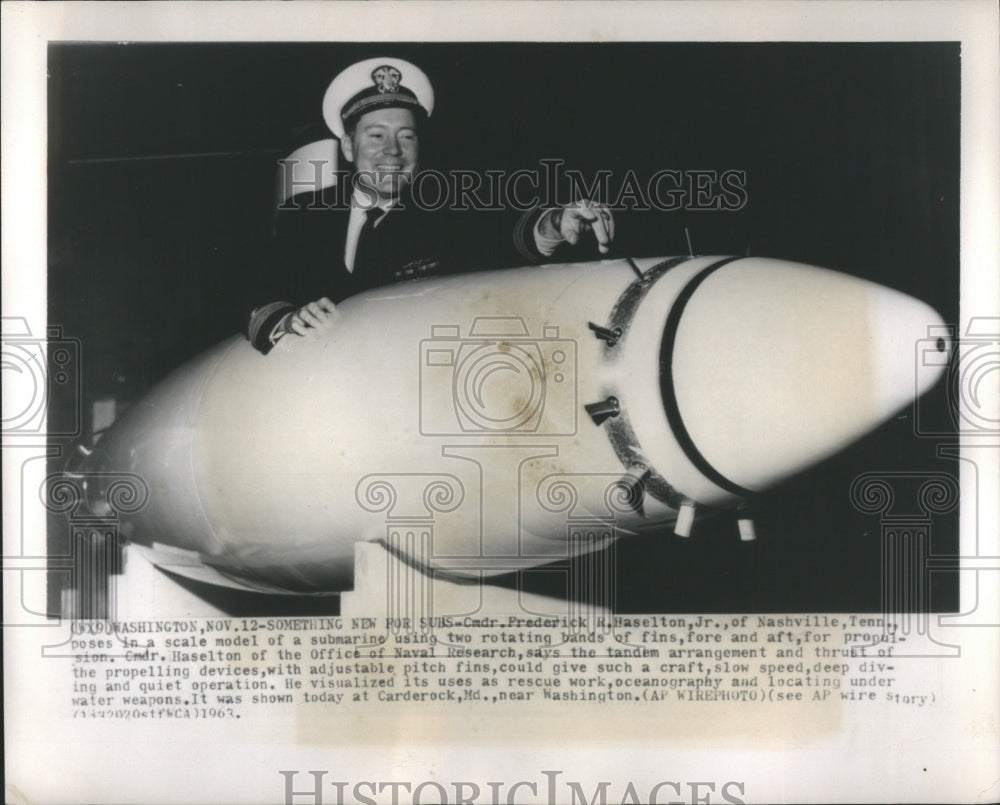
{"x": 747, "y": 531}
{"x": 685, "y": 519}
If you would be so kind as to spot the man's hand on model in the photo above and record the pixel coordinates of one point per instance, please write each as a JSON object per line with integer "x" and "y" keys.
{"x": 314, "y": 319}
{"x": 572, "y": 221}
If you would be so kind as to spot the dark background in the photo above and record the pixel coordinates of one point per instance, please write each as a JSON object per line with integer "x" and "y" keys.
{"x": 161, "y": 171}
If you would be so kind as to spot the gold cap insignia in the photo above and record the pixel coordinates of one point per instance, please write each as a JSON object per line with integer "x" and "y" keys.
{"x": 386, "y": 78}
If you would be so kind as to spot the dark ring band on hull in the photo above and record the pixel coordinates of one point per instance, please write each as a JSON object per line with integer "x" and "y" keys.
{"x": 668, "y": 391}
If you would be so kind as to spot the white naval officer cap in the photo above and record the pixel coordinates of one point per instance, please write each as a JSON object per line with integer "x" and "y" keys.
{"x": 375, "y": 84}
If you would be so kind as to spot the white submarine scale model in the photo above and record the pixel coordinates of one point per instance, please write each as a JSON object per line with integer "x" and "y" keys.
{"x": 487, "y": 422}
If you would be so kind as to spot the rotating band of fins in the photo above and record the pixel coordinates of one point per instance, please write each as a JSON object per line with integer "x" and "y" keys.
{"x": 667, "y": 384}
{"x": 620, "y": 432}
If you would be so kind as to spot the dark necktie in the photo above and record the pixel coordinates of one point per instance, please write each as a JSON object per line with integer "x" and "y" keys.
{"x": 366, "y": 252}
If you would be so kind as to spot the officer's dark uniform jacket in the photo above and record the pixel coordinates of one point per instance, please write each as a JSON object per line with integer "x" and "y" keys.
{"x": 407, "y": 243}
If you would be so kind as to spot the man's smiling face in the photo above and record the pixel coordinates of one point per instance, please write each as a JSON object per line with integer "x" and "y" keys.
{"x": 384, "y": 149}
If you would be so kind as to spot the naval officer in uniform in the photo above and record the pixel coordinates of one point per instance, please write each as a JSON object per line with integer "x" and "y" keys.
{"x": 330, "y": 247}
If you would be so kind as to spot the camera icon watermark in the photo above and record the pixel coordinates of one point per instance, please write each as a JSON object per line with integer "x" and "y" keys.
{"x": 34, "y": 370}
{"x": 497, "y": 379}
{"x": 972, "y": 376}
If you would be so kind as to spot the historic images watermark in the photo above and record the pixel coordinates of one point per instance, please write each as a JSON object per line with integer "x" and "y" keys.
{"x": 314, "y": 787}
{"x": 550, "y": 184}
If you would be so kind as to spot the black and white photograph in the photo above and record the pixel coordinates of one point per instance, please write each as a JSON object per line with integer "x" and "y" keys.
{"x": 652, "y": 375}
{"x": 174, "y": 223}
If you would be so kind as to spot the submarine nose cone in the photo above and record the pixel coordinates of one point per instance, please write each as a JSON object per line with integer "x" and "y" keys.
{"x": 776, "y": 365}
